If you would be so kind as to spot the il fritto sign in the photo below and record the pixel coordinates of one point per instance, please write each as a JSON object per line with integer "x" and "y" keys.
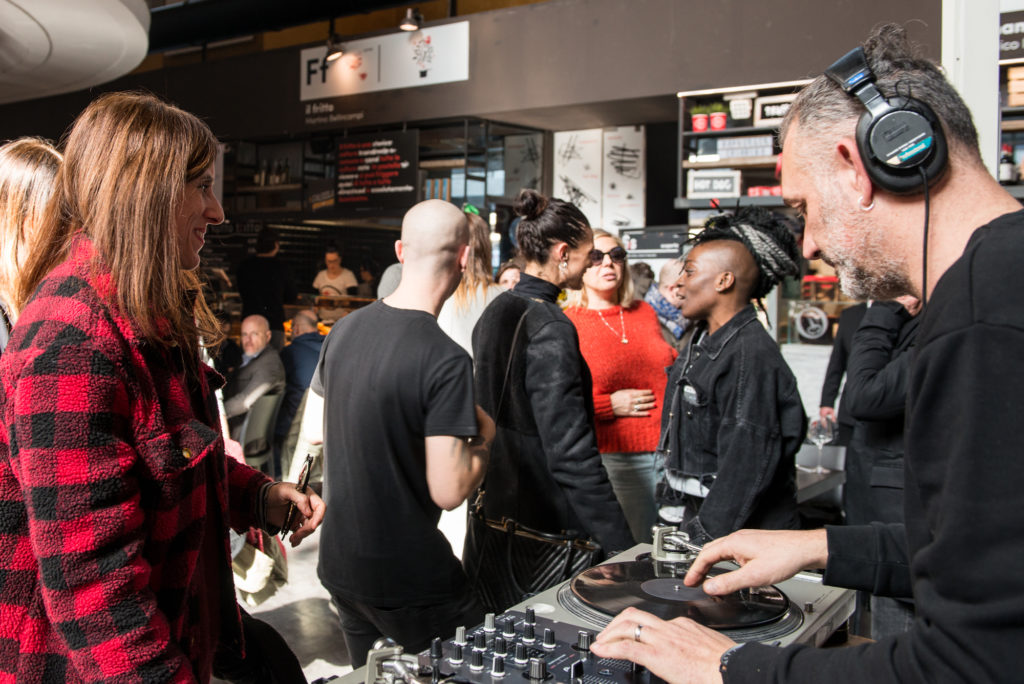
{"x": 438, "y": 54}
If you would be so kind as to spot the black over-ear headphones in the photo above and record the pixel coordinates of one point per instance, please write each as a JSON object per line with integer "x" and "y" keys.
{"x": 897, "y": 138}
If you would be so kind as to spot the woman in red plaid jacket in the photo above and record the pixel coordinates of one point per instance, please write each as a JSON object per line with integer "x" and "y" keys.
{"x": 115, "y": 493}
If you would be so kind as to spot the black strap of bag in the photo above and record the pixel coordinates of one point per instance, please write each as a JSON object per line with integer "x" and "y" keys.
{"x": 544, "y": 558}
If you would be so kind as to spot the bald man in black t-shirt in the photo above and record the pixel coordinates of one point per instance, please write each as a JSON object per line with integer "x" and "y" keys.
{"x": 403, "y": 439}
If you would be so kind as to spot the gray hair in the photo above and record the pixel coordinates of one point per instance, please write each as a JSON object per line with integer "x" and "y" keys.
{"x": 823, "y": 108}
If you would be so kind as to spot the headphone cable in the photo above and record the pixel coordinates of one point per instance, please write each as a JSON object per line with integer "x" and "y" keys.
{"x": 924, "y": 250}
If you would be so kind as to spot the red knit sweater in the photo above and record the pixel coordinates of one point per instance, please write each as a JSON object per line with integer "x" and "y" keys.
{"x": 641, "y": 363}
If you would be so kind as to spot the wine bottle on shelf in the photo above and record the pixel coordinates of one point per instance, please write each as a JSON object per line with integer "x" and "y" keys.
{"x": 1008, "y": 173}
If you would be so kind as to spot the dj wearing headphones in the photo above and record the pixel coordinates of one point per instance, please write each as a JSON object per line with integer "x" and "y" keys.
{"x": 881, "y": 157}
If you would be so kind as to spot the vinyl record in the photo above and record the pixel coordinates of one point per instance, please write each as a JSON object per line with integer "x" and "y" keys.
{"x": 658, "y": 588}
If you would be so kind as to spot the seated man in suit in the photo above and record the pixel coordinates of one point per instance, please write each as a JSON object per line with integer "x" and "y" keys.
{"x": 261, "y": 372}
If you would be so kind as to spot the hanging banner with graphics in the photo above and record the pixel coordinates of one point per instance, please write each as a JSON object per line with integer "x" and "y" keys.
{"x": 577, "y": 171}
{"x": 523, "y": 155}
{"x": 623, "y": 198}
{"x": 438, "y": 54}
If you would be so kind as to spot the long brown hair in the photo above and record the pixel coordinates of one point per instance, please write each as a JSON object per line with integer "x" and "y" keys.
{"x": 127, "y": 160}
{"x": 27, "y": 169}
{"x": 477, "y": 275}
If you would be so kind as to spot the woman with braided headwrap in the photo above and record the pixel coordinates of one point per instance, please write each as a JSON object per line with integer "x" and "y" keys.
{"x": 735, "y": 419}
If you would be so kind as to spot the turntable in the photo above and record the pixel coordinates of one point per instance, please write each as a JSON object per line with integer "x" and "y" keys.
{"x": 548, "y": 636}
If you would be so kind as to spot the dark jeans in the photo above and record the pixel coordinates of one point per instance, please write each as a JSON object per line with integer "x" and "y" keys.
{"x": 410, "y": 626}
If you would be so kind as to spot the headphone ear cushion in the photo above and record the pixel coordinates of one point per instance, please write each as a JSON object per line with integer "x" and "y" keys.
{"x": 903, "y": 181}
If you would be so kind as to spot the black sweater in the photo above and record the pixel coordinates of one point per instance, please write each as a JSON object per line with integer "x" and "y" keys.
{"x": 964, "y": 533}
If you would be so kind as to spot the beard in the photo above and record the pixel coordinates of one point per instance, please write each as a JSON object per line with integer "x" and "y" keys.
{"x": 853, "y": 245}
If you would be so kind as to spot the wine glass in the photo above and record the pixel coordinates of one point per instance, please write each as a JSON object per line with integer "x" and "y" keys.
{"x": 821, "y": 431}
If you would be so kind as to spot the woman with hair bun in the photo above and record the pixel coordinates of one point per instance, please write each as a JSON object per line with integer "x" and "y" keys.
{"x": 115, "y": 489}
{"x": 545, "y": 471}
{"x": 27, "y": 169}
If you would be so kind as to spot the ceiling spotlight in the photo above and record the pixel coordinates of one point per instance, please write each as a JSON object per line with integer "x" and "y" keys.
{"x": 412, "y": 20}
{"x": 334, "y": 48}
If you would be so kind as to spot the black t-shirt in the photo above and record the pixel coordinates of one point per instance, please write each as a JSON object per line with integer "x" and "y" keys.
{"x": 391, "y": 378}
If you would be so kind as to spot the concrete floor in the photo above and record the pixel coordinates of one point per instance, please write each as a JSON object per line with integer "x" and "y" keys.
{"x": 302, "y": 612}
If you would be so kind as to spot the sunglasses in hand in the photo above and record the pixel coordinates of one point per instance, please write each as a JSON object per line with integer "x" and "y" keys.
{"x": 617, "y": 254}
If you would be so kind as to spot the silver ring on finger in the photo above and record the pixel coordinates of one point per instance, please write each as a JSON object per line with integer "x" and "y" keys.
{"x": 636, "y": 633}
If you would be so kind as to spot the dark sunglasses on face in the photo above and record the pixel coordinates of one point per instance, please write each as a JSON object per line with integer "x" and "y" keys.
{"x": 617, "y": 254}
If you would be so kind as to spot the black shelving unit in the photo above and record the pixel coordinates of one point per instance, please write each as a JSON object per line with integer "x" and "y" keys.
{"x": 755, "y": 170}
{"x": 730, "y": 202}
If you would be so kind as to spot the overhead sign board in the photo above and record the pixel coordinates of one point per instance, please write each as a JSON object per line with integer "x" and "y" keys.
{"x": 438, "y": 54}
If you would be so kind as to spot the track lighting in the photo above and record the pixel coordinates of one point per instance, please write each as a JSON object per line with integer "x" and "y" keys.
{"x": 412, "y": 20}
{"x": 334, "y": 48}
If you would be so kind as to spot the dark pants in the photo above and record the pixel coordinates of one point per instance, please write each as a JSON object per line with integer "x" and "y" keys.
{"x": 268, "y": 658}
{"x": 412, "y": 627}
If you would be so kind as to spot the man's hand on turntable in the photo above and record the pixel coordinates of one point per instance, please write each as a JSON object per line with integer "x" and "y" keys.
{"x": 677, "y": 651}
{"x": 765, "y": 557}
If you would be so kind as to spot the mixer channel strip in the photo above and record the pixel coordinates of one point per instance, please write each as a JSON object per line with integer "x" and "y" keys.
{"x": 515, "y": 645}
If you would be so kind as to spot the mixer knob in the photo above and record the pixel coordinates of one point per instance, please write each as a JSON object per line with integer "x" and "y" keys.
{"x": 479, "y": 641}
{"x": 460, "y": 635}
{"x": 436, "y": 649}
{"x": 520, "y": 654}
{"x": 508, "y": 627}
{"x": 499, "y": 646}
{"x": 476, "y": 660}
{"x": 457, "y": 656}
{"x": 489, "y": 622}
{"x": 528, "y": 633}
{"x": 498, "y": 666}
{"x": 549, "y": 638}
{"x": 531, "y": 616}
{"x": 538, "y": 669}
{"x": 583, "y": 640}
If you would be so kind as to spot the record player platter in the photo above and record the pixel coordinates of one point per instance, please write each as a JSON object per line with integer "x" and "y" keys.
{"x": 657, "y": 587}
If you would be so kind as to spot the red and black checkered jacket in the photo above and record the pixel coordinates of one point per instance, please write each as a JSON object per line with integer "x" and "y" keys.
{"x": 107, "y": 469}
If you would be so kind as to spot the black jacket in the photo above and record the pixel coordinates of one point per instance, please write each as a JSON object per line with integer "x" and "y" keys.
{"x": 545, "y": 424}
{"x": 962, "y": 548}
{"x": 838, "y": 362}
{"x": 876, "y": 395}
{"x": 735, "y": 421}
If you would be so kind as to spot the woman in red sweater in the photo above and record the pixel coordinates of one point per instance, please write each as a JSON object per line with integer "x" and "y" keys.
{"x": 622, "y": 344}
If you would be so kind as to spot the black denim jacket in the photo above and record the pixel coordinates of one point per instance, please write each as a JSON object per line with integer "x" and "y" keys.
{"x": 735, "y": 422}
